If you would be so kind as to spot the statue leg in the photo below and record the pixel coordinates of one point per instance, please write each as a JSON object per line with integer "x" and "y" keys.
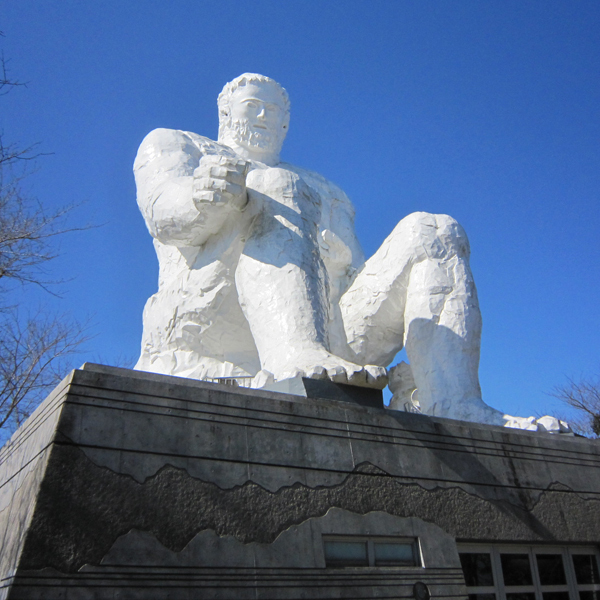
{"x": 282, "y": 286}
{"x": 194, "y": 327}
{"x": 288, "y": 325}
{"x": 418, "y": 291}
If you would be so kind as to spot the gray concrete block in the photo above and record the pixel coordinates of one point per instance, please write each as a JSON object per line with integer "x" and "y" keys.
{"x": 128, "y": 484}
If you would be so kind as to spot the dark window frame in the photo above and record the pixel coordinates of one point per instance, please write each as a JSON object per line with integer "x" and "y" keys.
{"x": 371, "y": 541}
{"x": 537, "y": 590}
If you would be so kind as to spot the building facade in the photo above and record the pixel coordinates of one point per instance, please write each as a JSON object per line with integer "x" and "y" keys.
{"x": 132, "y": 485}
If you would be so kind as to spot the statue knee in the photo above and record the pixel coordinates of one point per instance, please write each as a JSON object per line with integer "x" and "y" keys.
{"x": 452, "y": 236}
{"x": 434, "y": 235}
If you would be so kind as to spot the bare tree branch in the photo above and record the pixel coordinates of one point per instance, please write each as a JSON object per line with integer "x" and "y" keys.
{"x": 6, "y": 83}
{"x": 12, "y": 153}
{"x": 34, "y": 349}
{"x": 26, "y": 232}
{"x": 33, "y": 358}
{"x": 584, "y": 396}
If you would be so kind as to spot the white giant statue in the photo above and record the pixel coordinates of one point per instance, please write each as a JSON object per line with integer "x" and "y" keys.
{"x": 261, "y": 273}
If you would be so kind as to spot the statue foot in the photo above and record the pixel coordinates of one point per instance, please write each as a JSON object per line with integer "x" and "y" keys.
{"x": 477, "y": 411}
{"x": 471, "y": 409}
{"x": 547, "y": 423}
{"x": 323, "y": 365}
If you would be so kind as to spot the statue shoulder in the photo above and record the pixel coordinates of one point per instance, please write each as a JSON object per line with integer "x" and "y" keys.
{"x": 162, "y": 142}
{"x": 327, "y": 189}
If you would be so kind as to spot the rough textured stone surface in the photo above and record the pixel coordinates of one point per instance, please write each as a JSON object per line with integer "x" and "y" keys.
{"x": 23, "y": 462}
{"x": 262, "y": 274}
{"x": 83, "y": 509}
{"x": 141, "y": 485}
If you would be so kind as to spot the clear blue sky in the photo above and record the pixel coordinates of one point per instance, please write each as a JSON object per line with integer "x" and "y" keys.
{"x": 487, "y": 111}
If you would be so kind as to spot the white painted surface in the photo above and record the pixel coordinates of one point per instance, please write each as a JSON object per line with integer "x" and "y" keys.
{"x": 261, "y": 272}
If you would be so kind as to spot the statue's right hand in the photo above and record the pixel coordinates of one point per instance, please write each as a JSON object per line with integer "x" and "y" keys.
{"x": 220, "y": 180}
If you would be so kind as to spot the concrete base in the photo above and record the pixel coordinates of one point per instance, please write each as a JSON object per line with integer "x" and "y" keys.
{"x": 327, "y": 390}
{"x": 126, "y": 484}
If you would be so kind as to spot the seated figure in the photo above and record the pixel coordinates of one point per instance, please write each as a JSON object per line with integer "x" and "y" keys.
{"x": 261, "y": 273}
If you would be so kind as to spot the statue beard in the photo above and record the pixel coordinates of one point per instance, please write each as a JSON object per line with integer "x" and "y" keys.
{"x": 242, "y": 134}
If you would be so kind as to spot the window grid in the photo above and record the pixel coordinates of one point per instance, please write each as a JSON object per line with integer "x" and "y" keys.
{"x": 371, "y": 541}
{"x": 536, "y": 590}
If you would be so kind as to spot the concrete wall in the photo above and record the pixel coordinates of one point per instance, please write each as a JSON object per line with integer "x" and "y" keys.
{"x": 23, "y": 462}
{"x": 154, "y": 486}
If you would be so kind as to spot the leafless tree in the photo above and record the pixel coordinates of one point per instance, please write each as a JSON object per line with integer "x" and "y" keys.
{"x": 34, "y": 356}
{"x": 34, "y": 348}
{"x": 26, "y": 229}
{"x": 583, "y": 395}
{"x": 6, "y": 83}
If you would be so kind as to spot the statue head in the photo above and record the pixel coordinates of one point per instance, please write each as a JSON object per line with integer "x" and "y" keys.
{"x": 254, "y": 116}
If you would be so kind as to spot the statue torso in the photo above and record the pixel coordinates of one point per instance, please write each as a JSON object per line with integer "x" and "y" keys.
{"x": 288, "y": 208}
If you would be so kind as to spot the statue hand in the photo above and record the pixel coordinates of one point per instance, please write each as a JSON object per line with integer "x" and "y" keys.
{"x": 220, "y": 180}
{"x": 334, "y": 248}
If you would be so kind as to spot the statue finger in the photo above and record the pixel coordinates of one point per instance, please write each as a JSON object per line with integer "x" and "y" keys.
{"x": 358, "y": 378}
{"x": 218, "y": 171}
{"x": 204, "y": 197}
{"x": 221, "y": 173}
{"x": 377, "y": 377}
{"x": 212, "y": 197}
{"x": 239, "y": 166}
{"x": 317, "y": 373}
{"x": 293, "y": 374}
{"x": 210, "y": 183}
{"x": 337, "y": 374}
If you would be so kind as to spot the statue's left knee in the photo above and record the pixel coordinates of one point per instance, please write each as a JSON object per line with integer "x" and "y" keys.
{"x": 452, "y": 236}
{"x": 437, "y": 235}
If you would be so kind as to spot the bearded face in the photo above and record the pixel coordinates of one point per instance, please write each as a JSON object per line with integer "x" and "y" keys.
{"x": 256, "y": 123}
{"x": 247, "y": 136}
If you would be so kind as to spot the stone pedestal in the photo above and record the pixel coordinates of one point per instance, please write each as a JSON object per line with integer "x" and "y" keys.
{"x": 125, "y": 484}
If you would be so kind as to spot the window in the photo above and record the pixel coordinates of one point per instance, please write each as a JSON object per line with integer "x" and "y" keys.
{"x": 346, "y": 554}
{"x": 346, "y": 551}
{"x": 477, "y": 567}
{"x": 585, "y": 565}
{"x": 530, "y": 572}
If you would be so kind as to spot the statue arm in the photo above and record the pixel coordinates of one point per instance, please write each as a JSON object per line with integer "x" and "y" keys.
{"x": 182, "y": 204}
{"x": 340, "y": 247}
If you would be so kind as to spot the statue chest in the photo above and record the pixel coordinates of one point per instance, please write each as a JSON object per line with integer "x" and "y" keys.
{"x": 277, "y": 191}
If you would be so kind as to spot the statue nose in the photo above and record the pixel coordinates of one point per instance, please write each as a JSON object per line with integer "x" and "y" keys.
{"x": 261, "y": 114}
